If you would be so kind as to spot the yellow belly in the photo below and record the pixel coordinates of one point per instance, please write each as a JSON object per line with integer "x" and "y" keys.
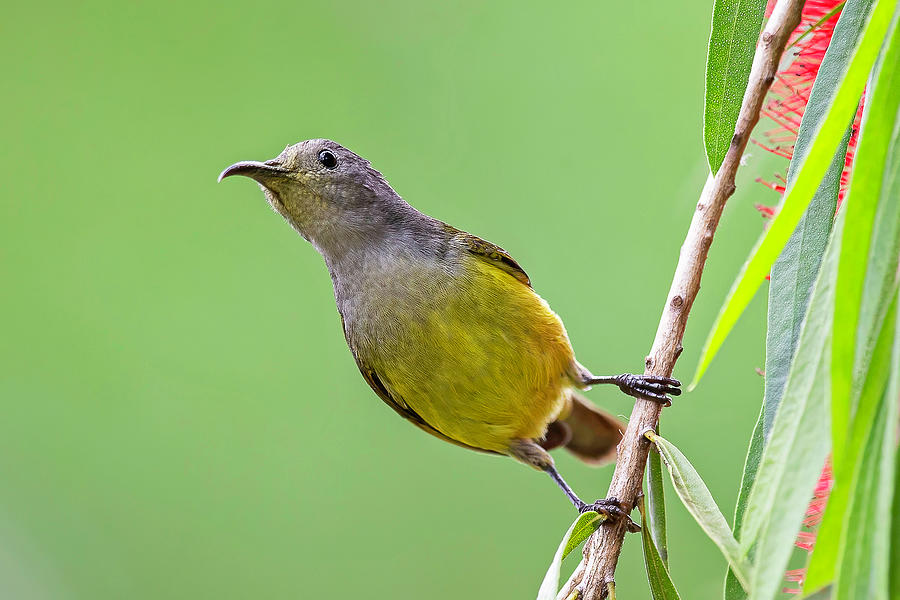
{"x": 477, "y": 354}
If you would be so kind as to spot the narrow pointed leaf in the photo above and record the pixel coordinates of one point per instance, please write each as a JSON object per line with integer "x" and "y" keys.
{"x": 696, "y": 498}
{"x": 877, "y": 185}
{"x": 840, "y": 522}
{"x": 793, "y": 274}
{"x": 733, "y": 589}
{"x": 796, "y": 449}
{"x": 855, "y": 564}
{"x": 791, "y": 282}
{"x": 732, "y": 42}
{"x": 656, "y": 501}
{"x": 863, "y": 567}
{"x": 580, "y": 530}
{"x": 661, "y": 586}
{"x": 894, "y": 556}
{"x": 867, "y": 187}
{"x": 823, "y": 594}
{"x": 810, "y": 174}
{"x": 586, "y": 524}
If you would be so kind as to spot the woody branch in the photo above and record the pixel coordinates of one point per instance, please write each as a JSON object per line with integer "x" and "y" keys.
{"x": 594, "y": 576}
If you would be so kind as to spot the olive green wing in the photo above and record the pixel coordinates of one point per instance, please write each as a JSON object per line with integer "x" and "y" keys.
{"x": 403, "y": 409}
{"x": 491, "y": 253}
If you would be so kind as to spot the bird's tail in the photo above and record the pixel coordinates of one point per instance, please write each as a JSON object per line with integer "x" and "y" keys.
{"x": 591, "y": 434}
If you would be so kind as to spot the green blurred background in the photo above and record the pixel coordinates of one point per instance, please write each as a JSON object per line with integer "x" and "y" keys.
{"x": 180, "y": 415}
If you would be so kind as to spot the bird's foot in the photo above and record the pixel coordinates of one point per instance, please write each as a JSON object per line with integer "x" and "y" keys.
{"x": 612, "y": 509}
{"x": 649, "y": 387}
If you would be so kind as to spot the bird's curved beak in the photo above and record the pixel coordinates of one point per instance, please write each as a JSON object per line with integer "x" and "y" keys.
{"x": 260, "y": 171}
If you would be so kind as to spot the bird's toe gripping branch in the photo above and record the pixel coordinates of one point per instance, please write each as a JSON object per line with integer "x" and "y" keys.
{"x": 612, "y": 509}
{"x": 650, "y": 387}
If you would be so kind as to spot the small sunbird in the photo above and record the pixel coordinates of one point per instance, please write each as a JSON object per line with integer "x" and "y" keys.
{"x": 444, "y": 326}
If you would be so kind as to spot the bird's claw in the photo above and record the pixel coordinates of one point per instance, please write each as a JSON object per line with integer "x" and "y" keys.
{"x": 611, "y": 508}
{"x": 649, "y": 387}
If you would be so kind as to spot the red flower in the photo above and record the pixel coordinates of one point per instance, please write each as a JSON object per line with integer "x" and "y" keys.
{"x": 806, "y": 539}
{"x": 790, "y": 91}
{"x": 795, "y": 576}
{"x": 767, "y": 212}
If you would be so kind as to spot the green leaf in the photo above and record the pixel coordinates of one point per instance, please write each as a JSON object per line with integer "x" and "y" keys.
{"x": 810, "y": 174}
{"x": 823, "y": 594}
{"x": 661, "y": 586}
{"x": 732, "y": 43}
{"x": 791, "y": 282}
{"x": 696, "y": 498}
{"x": 733, "y": 589}
{"x": 878, "y": 129}
{"x": 751, "y": 465}
{"x": 586, "y": 524}
{"x": 796, "y": 449}
{"x": 657, "y": 501}
{"x": 793, "y": 274}
{"x": 894, "y": 555}
{"x": 863, "y": 567}
{"x": 859, "y": 574}
{"x": 873, "y": 213}
{"x": 840, "y": 520}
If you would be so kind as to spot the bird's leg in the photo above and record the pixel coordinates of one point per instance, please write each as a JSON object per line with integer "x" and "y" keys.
{"x": 530, "y": 453}
{"x": 611, "y": 508}
{"x": 649, "y": 387}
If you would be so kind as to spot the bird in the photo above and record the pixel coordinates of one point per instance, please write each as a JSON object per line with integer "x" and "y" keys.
{"x": 445, "y": 327}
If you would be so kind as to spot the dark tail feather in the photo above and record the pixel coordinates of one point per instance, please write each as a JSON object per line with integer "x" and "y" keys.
{"x": 587, "y": 432}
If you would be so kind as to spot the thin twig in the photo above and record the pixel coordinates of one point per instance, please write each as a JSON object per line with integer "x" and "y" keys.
{"x": 601, "y": 553}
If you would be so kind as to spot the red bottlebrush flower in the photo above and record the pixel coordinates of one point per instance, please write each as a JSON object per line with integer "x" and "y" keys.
{"x": 767, "y": 212}
{"x": 820, "y": 497}
{"x": 794, "y": 576}
{"x": 790, "y": 91}
{"x": 806, "y": 539}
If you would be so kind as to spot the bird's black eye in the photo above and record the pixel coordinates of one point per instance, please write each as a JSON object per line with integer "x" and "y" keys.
{"x": 328, "y": 159}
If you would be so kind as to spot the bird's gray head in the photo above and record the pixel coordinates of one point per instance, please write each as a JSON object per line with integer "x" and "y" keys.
{"x": 331, "y": 196}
